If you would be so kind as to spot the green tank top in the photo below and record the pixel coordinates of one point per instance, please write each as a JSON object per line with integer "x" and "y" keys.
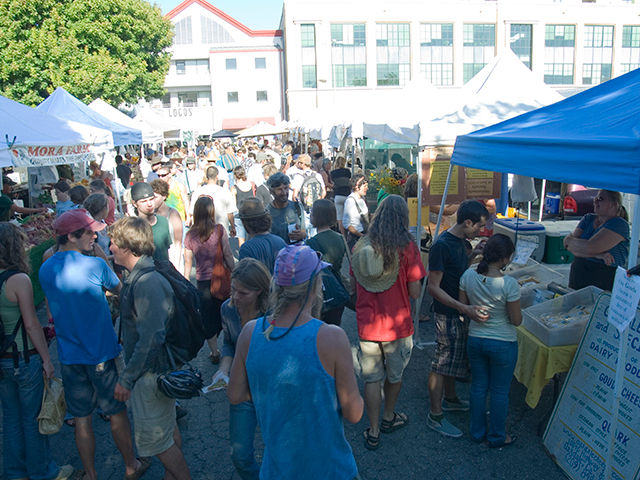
{"x": 10, "y": 313}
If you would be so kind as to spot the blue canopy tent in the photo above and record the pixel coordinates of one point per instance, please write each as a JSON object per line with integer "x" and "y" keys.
{"x": 64, "y": 105}
{"x": 592, "y": 138}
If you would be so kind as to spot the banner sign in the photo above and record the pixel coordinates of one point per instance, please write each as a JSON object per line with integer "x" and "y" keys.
{"x": 580, "y": 428}
{"x": 25, "y": 156}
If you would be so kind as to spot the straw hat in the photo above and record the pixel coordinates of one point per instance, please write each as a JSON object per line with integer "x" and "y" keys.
{"x": 368, "y": 268}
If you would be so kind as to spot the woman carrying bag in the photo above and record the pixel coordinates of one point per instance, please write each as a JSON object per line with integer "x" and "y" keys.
{"x": 205, "y": 241}
{"x": 26, "y": 452}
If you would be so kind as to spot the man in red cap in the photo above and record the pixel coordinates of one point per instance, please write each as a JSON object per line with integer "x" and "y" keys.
{"x": 74, "y": 285}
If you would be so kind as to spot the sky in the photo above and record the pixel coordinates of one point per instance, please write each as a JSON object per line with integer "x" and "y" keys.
{"x": 255, "y": 14}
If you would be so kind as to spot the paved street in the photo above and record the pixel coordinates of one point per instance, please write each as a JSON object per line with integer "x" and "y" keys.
{"x": 414, "y": 452}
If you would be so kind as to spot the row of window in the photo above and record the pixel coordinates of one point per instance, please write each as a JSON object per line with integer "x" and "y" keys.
{"x": 203, "y": 98}
{"x": 260, "y": 63}
{"x": 393, "y": 55}
{"x": 261, "y": 96}
{"x": 211, "y": 32}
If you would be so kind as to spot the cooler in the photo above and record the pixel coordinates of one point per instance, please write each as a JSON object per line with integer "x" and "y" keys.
{"x": 555, "y": 232}
{"x": 528, "y": 231}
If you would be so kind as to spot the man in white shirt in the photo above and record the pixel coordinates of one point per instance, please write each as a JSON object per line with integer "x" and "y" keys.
{"x": 304, "y": 161}
{"x": 222, "y": 200}
{"x": 255, "y": 173}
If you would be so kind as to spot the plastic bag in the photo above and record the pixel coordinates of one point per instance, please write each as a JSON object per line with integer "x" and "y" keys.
{"x": 53, "y": 408}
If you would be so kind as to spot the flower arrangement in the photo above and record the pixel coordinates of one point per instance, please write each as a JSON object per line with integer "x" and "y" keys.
{"x": 386, "y": 179}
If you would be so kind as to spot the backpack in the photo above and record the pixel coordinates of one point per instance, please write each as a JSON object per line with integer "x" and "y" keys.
{"x": 310, "y": 191}
{"x": 185, "y": 333}
{"x": 9, "y": 341}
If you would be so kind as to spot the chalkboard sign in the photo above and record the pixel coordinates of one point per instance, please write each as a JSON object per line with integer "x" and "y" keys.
{"x": 579, "y": 430}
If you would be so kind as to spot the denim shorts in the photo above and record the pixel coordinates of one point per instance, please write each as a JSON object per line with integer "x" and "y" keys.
{"x": 378, "y": 359}
{"x": 87, "y": 386}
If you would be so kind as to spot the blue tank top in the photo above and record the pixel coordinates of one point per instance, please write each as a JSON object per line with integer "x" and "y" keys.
{"x": 297, "y": 407}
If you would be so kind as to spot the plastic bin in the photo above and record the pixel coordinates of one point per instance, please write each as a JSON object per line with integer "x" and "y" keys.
{"x": 554, "y": 251}
{"x": 527, "y": 231}
{"x": 569, "y": 335}
{"x": 543, "y": 274}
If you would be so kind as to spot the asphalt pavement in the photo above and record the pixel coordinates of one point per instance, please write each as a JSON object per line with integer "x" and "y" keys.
{"x": 414, "y": 452}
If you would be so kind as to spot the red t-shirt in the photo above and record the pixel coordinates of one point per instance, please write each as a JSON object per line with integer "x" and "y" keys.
{"x": 111, "y": 216}
{"x": 386, "y": 316}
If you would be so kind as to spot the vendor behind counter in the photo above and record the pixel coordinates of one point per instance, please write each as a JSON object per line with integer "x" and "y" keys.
{"x": 600, "y": 243}
{"x": 7, "y": 208}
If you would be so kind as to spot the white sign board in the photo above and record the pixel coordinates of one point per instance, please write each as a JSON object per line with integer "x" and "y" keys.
{"x": 624, "y": 299}
{"x": 579, "y": 429}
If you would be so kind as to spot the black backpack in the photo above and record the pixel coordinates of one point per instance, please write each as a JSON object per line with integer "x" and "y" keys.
{"x": 9, "y": 341}
{"x": 310, "y": 191}
{"x": 185, "y": 332}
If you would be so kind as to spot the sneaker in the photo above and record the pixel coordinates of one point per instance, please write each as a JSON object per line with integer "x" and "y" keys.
{"x": 456, "y": 405}
{"x": 65, "y": 472}
{"x": 444, "y": 427}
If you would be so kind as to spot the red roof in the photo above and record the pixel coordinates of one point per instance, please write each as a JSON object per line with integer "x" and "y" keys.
{"x": 241, "y": 123}
{"x": 225, "y": 17}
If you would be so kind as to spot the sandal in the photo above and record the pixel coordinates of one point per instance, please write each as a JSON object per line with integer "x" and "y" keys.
{"x": 71, "y": 422}
{"x": 371, "y": 442}
{"x": 104, "y": 416}
{"x": 399, "y": 420}
{"x": 512, "y": 440}
{"x": 215, "y": 358}
{"x": 145, "y": 463}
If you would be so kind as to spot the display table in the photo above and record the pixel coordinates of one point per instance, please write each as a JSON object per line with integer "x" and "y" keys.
{"x": 537, "y": 363}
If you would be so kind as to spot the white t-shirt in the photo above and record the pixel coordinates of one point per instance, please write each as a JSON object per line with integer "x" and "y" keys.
{"x": 493, "y": 293}
{"x": 351, "y": 215}
{"x": 256, "y": 174}
{"x": 292, "y": 172}
{"x": 222, "y": 201}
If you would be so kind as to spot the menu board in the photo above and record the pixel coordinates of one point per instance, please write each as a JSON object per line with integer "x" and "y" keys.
{"x": 579, "y": 431}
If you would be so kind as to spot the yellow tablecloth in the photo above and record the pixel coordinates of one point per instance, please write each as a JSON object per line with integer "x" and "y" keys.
{"x": 537, "y": 363}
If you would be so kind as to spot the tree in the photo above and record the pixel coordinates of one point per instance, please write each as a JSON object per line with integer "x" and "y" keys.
{"x": 117, "y": 50}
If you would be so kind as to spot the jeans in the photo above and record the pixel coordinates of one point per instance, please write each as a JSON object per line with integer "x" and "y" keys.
{"x": 242, "y": 430}
{"x": 492, "y": 365}
{"x": 26, "y": 452}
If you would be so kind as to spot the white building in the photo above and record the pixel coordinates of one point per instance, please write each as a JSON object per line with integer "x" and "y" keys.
{"x": 361, "y": 52}
{"x": 222, "y": 74}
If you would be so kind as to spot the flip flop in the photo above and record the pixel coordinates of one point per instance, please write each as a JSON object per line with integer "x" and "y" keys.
{"x": 371, "y": 442}
{"x": 505, "y": 443}
{"x": 399, "y": 420}
{"x": 71, "y": 422}
{"x": 145, "y": 463}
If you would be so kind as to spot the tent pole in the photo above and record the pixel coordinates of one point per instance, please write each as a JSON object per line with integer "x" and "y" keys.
{"x": 544, "y": 189}
{"x": 444, "y": 201}
{"x": 635, "y": 232}
{"x": 529, "y": 211}
{"x": 418, "y": 303}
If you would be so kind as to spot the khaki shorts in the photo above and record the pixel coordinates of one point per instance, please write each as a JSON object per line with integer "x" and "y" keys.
{"x": 154, "y": 417}
{"x": 378, "y": 359}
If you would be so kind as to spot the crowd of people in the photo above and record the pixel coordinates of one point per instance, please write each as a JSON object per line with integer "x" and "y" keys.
{"x": 296, "y": 216}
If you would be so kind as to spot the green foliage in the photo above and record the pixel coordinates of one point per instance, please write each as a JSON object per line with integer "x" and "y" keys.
{"x": 116, "y": 50}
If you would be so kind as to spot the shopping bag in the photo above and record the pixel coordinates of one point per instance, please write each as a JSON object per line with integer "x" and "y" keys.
{"x": 53, "y": 408}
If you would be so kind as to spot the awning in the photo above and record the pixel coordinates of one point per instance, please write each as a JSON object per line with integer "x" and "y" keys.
{"x": 241, "y": 123}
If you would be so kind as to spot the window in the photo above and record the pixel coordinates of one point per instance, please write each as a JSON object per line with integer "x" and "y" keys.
{"x": 520, "y": 41}
{"x": 182, "y": 31}
{"x": 630, "y": 48}
{"x": 194, "y": 99}
{"x": 479, "y": 44}
{"x": 308, "y": 39}
{"x": 436, "y": 52}
{"x": 231, "y": 64}
{"x": 348, "y": 55}
{"x": 232, "y": 97}
{"x": 166, "y": 100}
{"x": 560, "y": 42}
{"x": 598, "y": 54}
{"x": 261, "y": 95}
{"x": 202, "y": 67}
{"x": 181, "y": 68}
{"x": 261, "y": 63}
{"x": 213, "y": 32}
{"x": 393, "y": 53}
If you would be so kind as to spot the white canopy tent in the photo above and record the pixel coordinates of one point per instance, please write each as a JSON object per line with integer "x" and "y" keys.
{"x": 157, "y": 121}
{"x": 33, "y": 138}
{"x": 149, "y": 134}
{"x": 261, "y": 129}
{"x": 503, "y": 89}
